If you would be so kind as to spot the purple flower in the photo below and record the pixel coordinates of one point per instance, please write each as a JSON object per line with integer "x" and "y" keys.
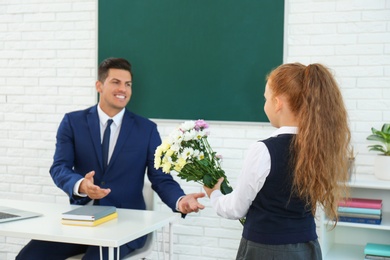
{"x": 200, "y": 124}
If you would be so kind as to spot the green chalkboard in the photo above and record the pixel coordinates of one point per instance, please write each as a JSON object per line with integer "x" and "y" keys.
{"x": 195, "y": 59}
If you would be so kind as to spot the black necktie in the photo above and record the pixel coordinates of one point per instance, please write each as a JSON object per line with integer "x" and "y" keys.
{"x": 106, "y": 143}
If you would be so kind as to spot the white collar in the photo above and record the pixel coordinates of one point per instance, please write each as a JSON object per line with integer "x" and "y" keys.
{"x": 103, "y": 117}
{"x": 285, "y": 130}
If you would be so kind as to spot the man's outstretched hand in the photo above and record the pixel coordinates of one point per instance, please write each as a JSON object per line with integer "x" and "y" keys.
{"x": 93, "y": 191}
{"x": 189, "y": 203}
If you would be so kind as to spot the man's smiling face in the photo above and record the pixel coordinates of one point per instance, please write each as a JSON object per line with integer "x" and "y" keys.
{"x": 115, "y": 91}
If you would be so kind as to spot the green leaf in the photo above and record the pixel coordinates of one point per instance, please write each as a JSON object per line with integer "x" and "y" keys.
{"x": 225, "y": 188}
{"x": 376, "y": 138}
{"x": 386, "y": 129}
{"x": 208, "y": 181}
{"x": 204, "y": 162}
{"x": 242, "y": 220}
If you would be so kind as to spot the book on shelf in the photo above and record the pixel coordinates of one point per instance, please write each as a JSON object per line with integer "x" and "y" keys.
{"x": 361, "y": 203}
{"x": 359, "y": 215}
{"x": 359, "y": 210}
{"x": 89, "y": 223}
{"x": 89, "y": 212}
{"x": 377, "y": 249}
{"x": 375, "y": 257}
{"x": 360, "y": 220}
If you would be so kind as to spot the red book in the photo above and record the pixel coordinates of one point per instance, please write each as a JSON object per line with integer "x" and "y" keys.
{"x": 361, "y": 203}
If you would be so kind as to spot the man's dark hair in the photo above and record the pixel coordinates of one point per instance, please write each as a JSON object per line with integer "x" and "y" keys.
{"x": 112, "y": 63}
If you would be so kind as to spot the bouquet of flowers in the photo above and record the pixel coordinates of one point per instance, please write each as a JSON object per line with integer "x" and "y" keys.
{"x": 187, "y": 152}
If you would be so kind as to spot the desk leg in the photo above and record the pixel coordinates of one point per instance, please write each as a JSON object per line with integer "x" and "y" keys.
{"x": 111, "y": 253}
{"x": 170, "y": 241}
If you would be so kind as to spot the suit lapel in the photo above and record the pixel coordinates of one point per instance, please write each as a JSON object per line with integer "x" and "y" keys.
{"x": 126, "y": 127}
{"x": 94, "y": 130}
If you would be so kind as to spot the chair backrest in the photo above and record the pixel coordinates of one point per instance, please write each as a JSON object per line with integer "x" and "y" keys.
{"x": 145, "y": 251}
{"x": 148, "y": 194}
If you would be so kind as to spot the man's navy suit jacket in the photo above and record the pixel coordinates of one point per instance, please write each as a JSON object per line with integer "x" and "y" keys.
{"x": 78, "y": 151}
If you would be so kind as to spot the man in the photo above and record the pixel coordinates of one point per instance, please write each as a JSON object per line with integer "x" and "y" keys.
{"x": 81, "y": 172}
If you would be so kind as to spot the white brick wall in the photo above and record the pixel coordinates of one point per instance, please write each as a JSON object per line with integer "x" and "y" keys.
{"x": 47, "y": 68}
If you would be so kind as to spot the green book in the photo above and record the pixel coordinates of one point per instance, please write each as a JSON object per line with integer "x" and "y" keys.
{"x": 377, "y": 249}
{"x": 359, "y": 210}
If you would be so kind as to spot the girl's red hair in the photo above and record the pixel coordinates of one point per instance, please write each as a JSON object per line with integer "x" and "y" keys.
{"x": 320, "y": 149}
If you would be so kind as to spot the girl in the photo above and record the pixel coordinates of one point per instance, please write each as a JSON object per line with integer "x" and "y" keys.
{"x": 300, "y": 166}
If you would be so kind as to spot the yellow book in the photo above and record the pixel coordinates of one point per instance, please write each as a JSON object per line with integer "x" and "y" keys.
{"x": 89, "y": 223}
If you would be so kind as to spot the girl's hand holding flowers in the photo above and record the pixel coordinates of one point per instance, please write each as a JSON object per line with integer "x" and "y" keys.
{"x": 217, "y": 186}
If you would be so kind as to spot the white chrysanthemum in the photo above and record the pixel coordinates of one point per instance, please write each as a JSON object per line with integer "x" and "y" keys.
{"x": 196, "y": 153}
{"x": 190, "y": 135}
{"x": 187, "y": 153}
{"x": 169, "y": 153}
{"x": 179, "y": 165}
{"x": 157, "y": 162}
{"x": 188, "y": 125}
{"x": 176, "y": 137}
{"x": 167, "y": 167}
{"x": 158, "y": 152}
{"x": 201, "y": 156}
{"x": 176, "y": 147}
{"x": 164, "y": 146}
{"x": 166, "y": 159}
{"x": 200, "y": 134}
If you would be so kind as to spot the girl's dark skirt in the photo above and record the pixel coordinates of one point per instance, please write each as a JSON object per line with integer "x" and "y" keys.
{"x": 249, "y": 250}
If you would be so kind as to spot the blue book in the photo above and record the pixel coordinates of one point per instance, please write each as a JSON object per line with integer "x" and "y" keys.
{"x": 360, "y": 210}
{"x": 377, "y": 249}
{"x": 360, "y": 220}
{"x": 359, "y": 215}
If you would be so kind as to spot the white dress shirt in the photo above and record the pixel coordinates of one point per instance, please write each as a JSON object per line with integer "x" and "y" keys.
{"x": 255, "y": 170}
{"x": 115, "y": 128}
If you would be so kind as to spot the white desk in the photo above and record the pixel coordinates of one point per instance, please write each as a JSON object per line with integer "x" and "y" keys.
{"x": 129, "y": 225}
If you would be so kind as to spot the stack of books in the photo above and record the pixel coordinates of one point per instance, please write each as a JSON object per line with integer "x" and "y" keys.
{"x": 360, "y": 210}
{"x": 89, "y": 215}
{"x": 377, "y": 251}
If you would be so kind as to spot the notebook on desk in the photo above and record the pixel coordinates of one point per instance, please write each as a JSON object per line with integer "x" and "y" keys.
{"x": 12, "y": 214}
